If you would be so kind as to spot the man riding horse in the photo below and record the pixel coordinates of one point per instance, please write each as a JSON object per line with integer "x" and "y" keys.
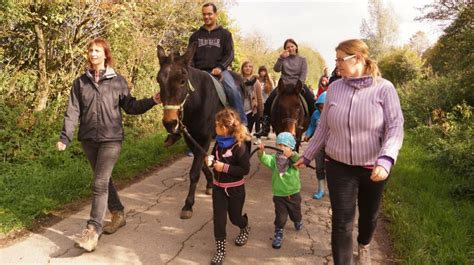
{"x": 214, "y": 54}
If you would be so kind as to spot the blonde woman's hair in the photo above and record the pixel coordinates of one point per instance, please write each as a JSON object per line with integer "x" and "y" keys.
{"x": 358, "y": 47}
{"x": 242, "y": 68}
{"x": 231, "y": 121}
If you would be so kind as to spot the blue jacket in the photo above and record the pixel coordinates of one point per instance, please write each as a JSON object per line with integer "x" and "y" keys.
{"x": 316, "y": 115}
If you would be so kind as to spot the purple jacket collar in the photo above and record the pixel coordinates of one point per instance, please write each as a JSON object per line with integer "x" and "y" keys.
{"x": 359, "y": 82}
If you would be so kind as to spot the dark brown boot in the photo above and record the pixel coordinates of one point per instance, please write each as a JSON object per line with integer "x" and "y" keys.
{"x": 118, "y": 220}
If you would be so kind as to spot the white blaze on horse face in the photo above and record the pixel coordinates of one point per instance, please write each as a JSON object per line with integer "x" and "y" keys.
{"x": 292, "y": 128}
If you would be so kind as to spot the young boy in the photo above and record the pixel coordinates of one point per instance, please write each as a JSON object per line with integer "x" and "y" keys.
{"x": 286, "y": 184}
{"x": 320, "y": 167}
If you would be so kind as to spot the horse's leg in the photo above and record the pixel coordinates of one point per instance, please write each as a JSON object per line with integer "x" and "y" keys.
{"x": 194, "y": 173}
{"x": 209, "y": 176}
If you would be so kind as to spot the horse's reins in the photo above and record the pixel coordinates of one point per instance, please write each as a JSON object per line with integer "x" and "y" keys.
{"x": 199, "y": 147}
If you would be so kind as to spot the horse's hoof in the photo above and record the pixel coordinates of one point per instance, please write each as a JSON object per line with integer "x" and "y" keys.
{"x": 209, "y": 191}
{"x": 186, "y": 214}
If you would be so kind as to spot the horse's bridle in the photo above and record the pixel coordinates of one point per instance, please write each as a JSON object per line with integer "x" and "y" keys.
{"x": 179, "y": 107}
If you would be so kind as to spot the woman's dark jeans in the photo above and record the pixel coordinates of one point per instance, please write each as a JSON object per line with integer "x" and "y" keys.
{"x": 347, "y": 186}
{"x": 102, "y": 157}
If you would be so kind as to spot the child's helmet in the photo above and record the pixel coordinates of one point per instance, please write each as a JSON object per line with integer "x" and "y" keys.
{"x": 287, "y": 139}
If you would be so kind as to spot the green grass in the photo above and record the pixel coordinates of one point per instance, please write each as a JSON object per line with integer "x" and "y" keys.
{"x": 428, "y": 224}
{"x": 37, "y": 187}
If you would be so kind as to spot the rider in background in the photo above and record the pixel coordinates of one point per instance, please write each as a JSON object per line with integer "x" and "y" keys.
{"x": 293, "y": 67}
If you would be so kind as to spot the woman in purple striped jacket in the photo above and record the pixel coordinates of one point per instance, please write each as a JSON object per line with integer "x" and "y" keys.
{"x": 361, "y": 130}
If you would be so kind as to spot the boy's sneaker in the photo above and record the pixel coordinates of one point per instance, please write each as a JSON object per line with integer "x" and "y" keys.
{"x": 278, "y": 238}
{"x": 298, "y": 226}
{"x": 318, "y": 195}
{"x": 257, "y": 142}
{"x": 87, "y": 239}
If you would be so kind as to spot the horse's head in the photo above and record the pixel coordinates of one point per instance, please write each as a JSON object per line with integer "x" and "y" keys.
{"x": 289, "y": 111}
{"x": 173, "y": 78}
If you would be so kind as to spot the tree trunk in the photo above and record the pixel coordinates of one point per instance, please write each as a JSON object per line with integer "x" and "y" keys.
{"x": 42, "y": 84}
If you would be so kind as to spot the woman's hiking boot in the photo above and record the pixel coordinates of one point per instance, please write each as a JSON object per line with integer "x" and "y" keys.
{"x": 364, "y": 255}
{"x": 265, "y": 130}
{"x": 118, "y": 220}
{"x": 88, "y": 239}
{"x": 218, "y": 258}
{"x": 278, "y": 238}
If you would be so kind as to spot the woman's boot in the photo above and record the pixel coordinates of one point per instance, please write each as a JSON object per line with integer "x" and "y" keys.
{"x": 265, "y": 130}
{"x": 218, "y": 258}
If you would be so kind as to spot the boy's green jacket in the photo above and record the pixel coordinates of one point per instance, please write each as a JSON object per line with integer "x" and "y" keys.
{"x": 287, "y": 184}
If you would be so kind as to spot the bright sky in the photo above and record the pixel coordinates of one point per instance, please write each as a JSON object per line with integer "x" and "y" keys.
{"x": 322, "y": 24}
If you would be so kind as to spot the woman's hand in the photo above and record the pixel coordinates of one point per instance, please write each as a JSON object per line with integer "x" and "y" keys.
{"x": 157, "y": 98}
{"x": 300, "y": 163}
{"x": 379, "y": 174}
{"x": 285, "y": 54}
{"x": 60, "y": 146}
{"x": 218, "y": 166}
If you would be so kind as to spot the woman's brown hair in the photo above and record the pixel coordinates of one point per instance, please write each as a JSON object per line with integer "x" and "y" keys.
{"x": 229, "y": 119}
{"x": 358, "y": 47}
{"x": 268, "y": 82}
{"x": 290, "y": 41}
{"x": 109, "y": 60}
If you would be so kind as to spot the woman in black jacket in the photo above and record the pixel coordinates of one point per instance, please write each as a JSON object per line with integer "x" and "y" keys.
{"x": 95, "y": 101}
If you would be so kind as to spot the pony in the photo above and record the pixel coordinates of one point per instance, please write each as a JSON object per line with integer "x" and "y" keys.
{"x": 190, "y": 101}
{"x": 288, "y": 113}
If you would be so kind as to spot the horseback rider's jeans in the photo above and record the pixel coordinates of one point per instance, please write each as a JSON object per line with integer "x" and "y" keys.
{"x": 350, "y": 186}
{"x": 232, "y": 203}
{"x": 233, "y": 94}
{"x": 307, "y": 94}
{"x": 102, "y": 157}
{"x": 287, "y": 206}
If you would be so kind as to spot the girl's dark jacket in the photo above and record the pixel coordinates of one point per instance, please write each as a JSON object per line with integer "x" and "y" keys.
{"x": 96, "y": 106}
{"x": 237, "y": 162}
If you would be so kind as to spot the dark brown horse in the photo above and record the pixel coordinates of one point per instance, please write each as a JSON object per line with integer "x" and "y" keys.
{"x": 188, "y": 94}
{"x": 288, "y": 114}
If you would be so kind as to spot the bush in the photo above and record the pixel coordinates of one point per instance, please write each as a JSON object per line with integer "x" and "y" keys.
{"x": 401, "y": 66}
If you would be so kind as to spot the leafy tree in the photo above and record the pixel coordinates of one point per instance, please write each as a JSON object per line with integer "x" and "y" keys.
{"x": 381, "y": 30}
{"x": 444, "y": 11}
{"x": 419, "y": 42}
{"x": 401, "y": 65}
